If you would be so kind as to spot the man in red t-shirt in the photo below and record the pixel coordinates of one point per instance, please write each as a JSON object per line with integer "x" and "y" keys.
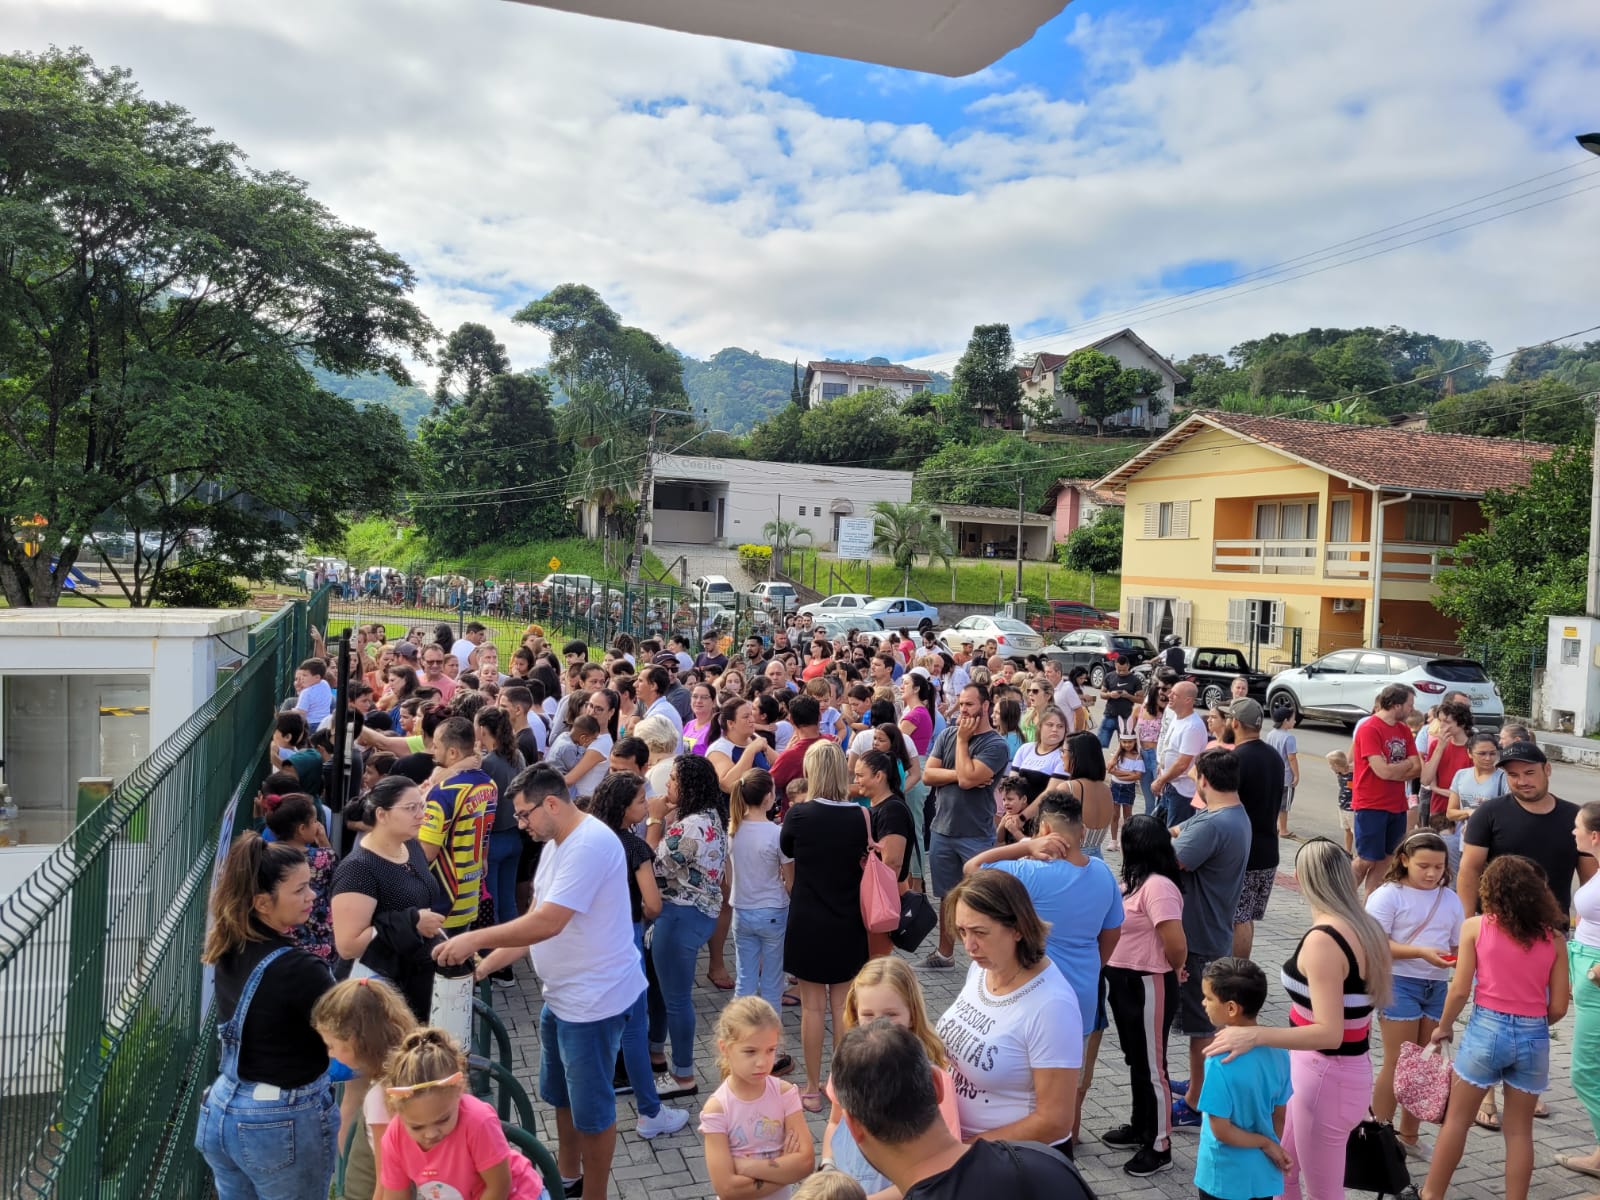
{"x": 804, "y": 715}
{"x": 1384, "y": 757}
{"x": 1447, "y": 754}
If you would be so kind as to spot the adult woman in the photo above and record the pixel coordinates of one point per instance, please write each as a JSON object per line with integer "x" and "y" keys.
{"x": 1147, "y": 724}
{"x": 387, "y": 905}
{"x": 917, "y": 721}
{"x": 736, "y": 746}
{"x": 905, "y": 767}
{"x": 691, "y": 861}
{"x": 1483, "y": 780}
{"x": 1037, "y": 698}
{"x": 402, "y": 686}
{"x": 730, "y": 685}
{"x": 591, "y": 768}
{"x": 382, "y": 658}
{"x": 1336, "y": 976}
{"x": 1041, "y": 758}
{"x": 664, "y": 744}
{"x": 697, "y": 730}
{"x": 1084, "y": 761}
{"x": 1014, "y": 1034}
{"x": 875, "y": 774}
{"x": 1448, "y": 755}
{"x": 269, "y": 1124}
{"x": 1583, "y": 958}
{"x": 501, "y": 760}
{"x": 1007, "y": 720}
{"x": 825, "y": 943}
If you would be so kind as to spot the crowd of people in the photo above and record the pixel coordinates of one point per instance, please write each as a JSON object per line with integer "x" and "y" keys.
{"x": 621, "y": 815}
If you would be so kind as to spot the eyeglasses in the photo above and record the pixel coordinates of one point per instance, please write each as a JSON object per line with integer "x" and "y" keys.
{"x": 524, "y": 815}
{"x": 412, "y": 809}
{"x": 401, "y": 1092}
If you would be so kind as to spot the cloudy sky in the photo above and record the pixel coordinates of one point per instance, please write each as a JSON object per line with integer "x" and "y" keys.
{"x": 721, "y": 194}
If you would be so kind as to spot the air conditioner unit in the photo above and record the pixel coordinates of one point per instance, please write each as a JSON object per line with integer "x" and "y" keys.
{"x": 1345, "y": 606}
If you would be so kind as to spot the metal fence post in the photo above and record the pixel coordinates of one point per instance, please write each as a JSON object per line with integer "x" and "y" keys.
{"x": 82, "y": 1046}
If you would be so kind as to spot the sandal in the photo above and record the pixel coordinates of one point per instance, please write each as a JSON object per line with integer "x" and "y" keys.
{"x": 724, "y": 984}
{"x": 1487, "y": 1119}
{"x": 790, "y": 1000}
{"x": 1542, "y": 1112}
{"x": 1574, "y": 1162}
{"x": 811, "y": 1101}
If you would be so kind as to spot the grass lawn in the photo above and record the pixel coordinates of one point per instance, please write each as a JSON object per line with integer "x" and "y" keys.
{"x": 372, "y": 543}
{"x": 969, "y": 581}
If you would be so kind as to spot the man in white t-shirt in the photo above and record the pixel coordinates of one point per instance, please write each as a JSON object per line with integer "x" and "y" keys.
{"x": 473, "y": 636}
{"x": 1181, "y": 746}
{"x": 579, "y": 933}
{"x": 1065, "y": 695}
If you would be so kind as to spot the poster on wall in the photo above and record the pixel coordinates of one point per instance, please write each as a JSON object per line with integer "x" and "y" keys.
{"x": 855, "y": 537}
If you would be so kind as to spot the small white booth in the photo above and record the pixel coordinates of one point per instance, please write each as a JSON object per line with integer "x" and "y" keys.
{"x": 85, "y": 694}
{"x": 1571, "y": 697}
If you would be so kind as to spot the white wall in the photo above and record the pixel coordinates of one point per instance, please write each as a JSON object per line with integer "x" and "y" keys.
{"x": 681, "y": 525}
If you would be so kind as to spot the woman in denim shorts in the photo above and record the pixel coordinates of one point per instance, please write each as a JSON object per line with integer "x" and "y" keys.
{"x": 1513, "y": 964}
{"x": 1419, "y": 910}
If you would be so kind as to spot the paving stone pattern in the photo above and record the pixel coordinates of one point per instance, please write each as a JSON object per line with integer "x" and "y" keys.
{"x": 674, "y": 1168}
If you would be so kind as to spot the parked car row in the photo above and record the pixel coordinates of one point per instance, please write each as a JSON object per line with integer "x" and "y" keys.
{"x": 886, "y": 612}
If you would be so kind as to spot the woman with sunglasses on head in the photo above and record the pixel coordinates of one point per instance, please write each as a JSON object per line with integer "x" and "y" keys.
{"x": 1147, "y": 722}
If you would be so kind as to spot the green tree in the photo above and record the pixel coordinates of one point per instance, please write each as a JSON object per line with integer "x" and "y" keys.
{"x": 1097, "y": 546}
{"x": 1540, "y": 410}
{"x": 987, "y": 473}
{"x": 1207, "y": 379}
{"x": 784, "y": 537}
{"x": 985, "y": 380}
{"x": 1529, "y": 564}
{"x": 470, "y": 359}
{"x": 1103, "y": 387}
{"x": 156, "y": 299}
{"x": 903, "y": 532}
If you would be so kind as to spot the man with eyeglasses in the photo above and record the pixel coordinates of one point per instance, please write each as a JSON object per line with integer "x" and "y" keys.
{"x": 433, "y": 673}
{"x": 578, "y": 933}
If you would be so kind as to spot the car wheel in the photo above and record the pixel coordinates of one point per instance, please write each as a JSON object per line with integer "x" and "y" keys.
{"x": 1212, "y": 698}
{"x": 924, "y": 625}
{"x": 1097, "y": 675}
{"x": 1281, "y": 704}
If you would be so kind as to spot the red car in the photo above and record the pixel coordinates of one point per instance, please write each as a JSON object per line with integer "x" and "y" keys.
{"x": 1066, "y": 616}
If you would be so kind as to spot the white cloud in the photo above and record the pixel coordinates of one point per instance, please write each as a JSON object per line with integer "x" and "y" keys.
{"x": 504, "y": 149}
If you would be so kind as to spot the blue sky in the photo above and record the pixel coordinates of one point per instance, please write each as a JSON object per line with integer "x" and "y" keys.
{"x": 725, "y": 194}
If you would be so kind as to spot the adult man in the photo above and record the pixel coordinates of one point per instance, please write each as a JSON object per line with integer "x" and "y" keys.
{"x": 575, "y": 652}
{"x": 1179, "y": 747}
{"x": 755, "y": 650}
{"x": 1118, "y": 691}
{"x": 963, "y": 763}
{"x": 882, "y": 668}
{"x": 1261, "y": 794}
{"x": 455, "y": 824}
{"x": 1383, "y": 757}
{"x": 1064, "y": 694}
{"x": 433, "y": 672}
{"x": 676, "y": 694}
{"x": 959, "y": 674}
{"x": 315, "y": 698}
{"x": 805, "y": 714}
{"x": 711, "y": 658}
{"x": 1530, "y": 822}
{"x": 579, "y": 934}
{"x": 486, "y": 662}
{"x": 884, "y": 1083}
{"x": 529, "y": 728}
{"x": 777, "y": 673}
{"x": 471, "y": 638}
{"x": 678, "y": 647}
{"x": 650, "y": 688}
{"x": 1213, "y": 847}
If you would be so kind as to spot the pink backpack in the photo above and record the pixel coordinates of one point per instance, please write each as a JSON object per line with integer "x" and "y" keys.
{"x": 880, "y": 890}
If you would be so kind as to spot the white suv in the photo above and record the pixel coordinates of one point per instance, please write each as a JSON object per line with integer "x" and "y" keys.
{"x": 715, "y": 587}
{"x": 842, "y": 604}
{"x": 1342, "y": 686}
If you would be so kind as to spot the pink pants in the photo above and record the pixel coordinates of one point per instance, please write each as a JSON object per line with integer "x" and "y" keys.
{"x": 1331, "y": 1096}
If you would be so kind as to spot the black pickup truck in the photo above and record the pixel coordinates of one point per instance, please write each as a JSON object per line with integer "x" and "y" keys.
{"x": 1213, "y": 669}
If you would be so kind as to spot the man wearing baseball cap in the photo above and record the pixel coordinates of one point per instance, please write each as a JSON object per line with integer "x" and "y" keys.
{"x": 1261, "y": 794}
{"x": 1530, "y": 822}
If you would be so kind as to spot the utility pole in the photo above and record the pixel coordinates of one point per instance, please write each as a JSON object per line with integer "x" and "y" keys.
{"x": 646, "y": 499}
{"x": 1593, "y": 605}
{"x": 1017, "y": 592}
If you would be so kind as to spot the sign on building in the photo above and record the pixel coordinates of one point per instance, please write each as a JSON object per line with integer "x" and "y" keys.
{"x": 855, "y": 537}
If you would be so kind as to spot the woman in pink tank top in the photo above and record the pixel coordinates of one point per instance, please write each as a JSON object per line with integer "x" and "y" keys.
{"x": 1513, "y": 965}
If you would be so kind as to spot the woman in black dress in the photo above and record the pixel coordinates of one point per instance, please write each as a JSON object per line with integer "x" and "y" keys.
{"x": 825, "y": 943}
{"x": 877, "y": 771}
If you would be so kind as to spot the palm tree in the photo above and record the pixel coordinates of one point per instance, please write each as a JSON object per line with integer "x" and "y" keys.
{"x": 783, "y": 536}
{"x": 903, "y": 531}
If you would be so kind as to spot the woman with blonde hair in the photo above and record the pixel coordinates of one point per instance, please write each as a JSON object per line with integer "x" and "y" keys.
{"x": 658, "y": 734}
{"x": 825, "y": 942}
{"x": 1336, "y": 976}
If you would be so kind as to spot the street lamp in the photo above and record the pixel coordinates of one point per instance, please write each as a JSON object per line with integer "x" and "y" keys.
{"x": 1591, "y": 143}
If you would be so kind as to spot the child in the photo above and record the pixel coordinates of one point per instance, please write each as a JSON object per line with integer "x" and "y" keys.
{"x": 1513, "y": 966}
{"x": 1419, "y": 910}
{"x": 361, "y": 1021}
{"x": 295, "y": 821}
{"x": 1244, "y": 1099}
{"x": 1281, "y": 738}
{"x": 444, "y": 1142}
{"x": 886, "y": 989}
{"x": 1011, "y": 825}
{"x": 751, "y": 1117}
{"x": 567, "y": 750}
{"x": 1126, "y": 771}
{"x": 828, "y": 1185}
{"x": 794, "y": 793}
{"x": 761, "y": 881}
{"x": 1339, "y": 764}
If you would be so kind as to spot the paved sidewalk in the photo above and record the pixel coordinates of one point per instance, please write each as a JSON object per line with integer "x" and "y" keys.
{"x": 673, "y": 1168}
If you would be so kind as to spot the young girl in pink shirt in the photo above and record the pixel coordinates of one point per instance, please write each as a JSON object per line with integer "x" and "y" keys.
{"x": 754, "y": 1128}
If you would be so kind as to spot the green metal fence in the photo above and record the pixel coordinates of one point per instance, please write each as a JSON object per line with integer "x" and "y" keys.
{"x": 106, "y": 1023}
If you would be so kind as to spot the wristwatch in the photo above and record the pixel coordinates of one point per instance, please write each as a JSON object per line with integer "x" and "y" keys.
{"x": 649, "y": 821}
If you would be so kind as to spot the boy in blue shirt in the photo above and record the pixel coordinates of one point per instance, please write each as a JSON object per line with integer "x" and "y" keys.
{"x": 1243, "y": 1099}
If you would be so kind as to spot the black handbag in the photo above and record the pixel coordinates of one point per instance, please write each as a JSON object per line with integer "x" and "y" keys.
{"x": 917, "y": 920}
{"x": 1374, "y": 1161}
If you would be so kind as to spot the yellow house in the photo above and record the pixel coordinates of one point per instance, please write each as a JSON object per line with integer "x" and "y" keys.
{"x": 1259, "y": 532}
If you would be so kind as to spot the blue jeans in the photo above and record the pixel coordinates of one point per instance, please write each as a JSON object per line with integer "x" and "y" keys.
{"x": 505, "y": 851}
{"x": 577, "y": 1067}
{"x": 284, "y": 1148}
{"x": 1149, "y": 757}
{"x": 680, "y": 931}
{"x": 636, "y": 1045}
{"x": 758, "y": 947}
{"x": 1179, "y": 807}
{"x": 1108, "y": 730}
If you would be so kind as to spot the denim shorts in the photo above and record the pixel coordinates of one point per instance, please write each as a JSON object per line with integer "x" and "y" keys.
{"x": 1416, "y": 998}
{"x": 577, "y": 1064}
{"x": 1497, "y": 1047}
{"x": 947, "y": 855}
{"x": 1123, "y": 793}
{"x": 1378, "y": 833}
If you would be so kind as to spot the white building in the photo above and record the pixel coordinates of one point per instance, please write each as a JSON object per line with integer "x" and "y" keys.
{"x": 1039, "y": 380}
{"x": 828, "y": 380}
{"x": 727, "y": 501}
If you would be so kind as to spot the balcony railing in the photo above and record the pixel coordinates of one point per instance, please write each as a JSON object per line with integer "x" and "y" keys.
{"x": 1404, "y": 562}
{"x": 1266, "y": 556}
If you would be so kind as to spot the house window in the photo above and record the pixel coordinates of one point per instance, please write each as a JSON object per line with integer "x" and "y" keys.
{"x": 816, "y": 511}
{"x": 832, "y": 391}
{"x": 1279, "y": 523}
{"x": 1255, "y": 622}
{"x": 1167, "y": 519}
{"x": 918, "y": 387}
{"x": 1428, "y": 521}
{"x": 802, "y": 510}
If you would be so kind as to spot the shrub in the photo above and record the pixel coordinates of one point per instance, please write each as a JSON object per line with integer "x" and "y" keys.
{"x": 756, "y": 560}
{"x": 206, "y": 584}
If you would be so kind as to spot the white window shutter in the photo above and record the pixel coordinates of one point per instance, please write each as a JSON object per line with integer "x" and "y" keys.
{"x": 1150, "y": 528}
{"x": 1274, "y": 632}
{"x": 1133, "y": 619}
{"x": 1239, "y": 622}
{"x": 1180, "y": 518}
{"x": 1182, "y": 615}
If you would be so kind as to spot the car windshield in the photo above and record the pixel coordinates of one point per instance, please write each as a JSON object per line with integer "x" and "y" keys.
{"x": 1007, "y": 625}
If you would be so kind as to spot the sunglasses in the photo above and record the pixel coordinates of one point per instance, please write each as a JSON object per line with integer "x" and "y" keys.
{"x": 400, "y": 1093}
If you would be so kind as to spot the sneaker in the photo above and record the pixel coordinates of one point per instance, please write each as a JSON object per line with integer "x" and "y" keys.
{"x": 1178, "y": 1087}
{"x": 1184, "y": 1117}
{"x": 573, "y": 1188}
{"x": 1148, "y": 1162}
{"x": 620, "y": 1085}
{"x": 782, "y": 1065}
{"x": 937, "y": 962}
{"x": 668, "y": 1120}
{"x": 504, "y": 977}
{"x": 667, "y": 1087}
{"x": 1122, "y": 1138}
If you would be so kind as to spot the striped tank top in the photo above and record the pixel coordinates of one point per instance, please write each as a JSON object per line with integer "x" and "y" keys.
{"x": 1357, "y": 1004}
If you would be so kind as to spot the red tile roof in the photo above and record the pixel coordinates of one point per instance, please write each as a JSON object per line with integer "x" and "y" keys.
{"x": 871, "y": 371}
{"x": 1372, "y": 456}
